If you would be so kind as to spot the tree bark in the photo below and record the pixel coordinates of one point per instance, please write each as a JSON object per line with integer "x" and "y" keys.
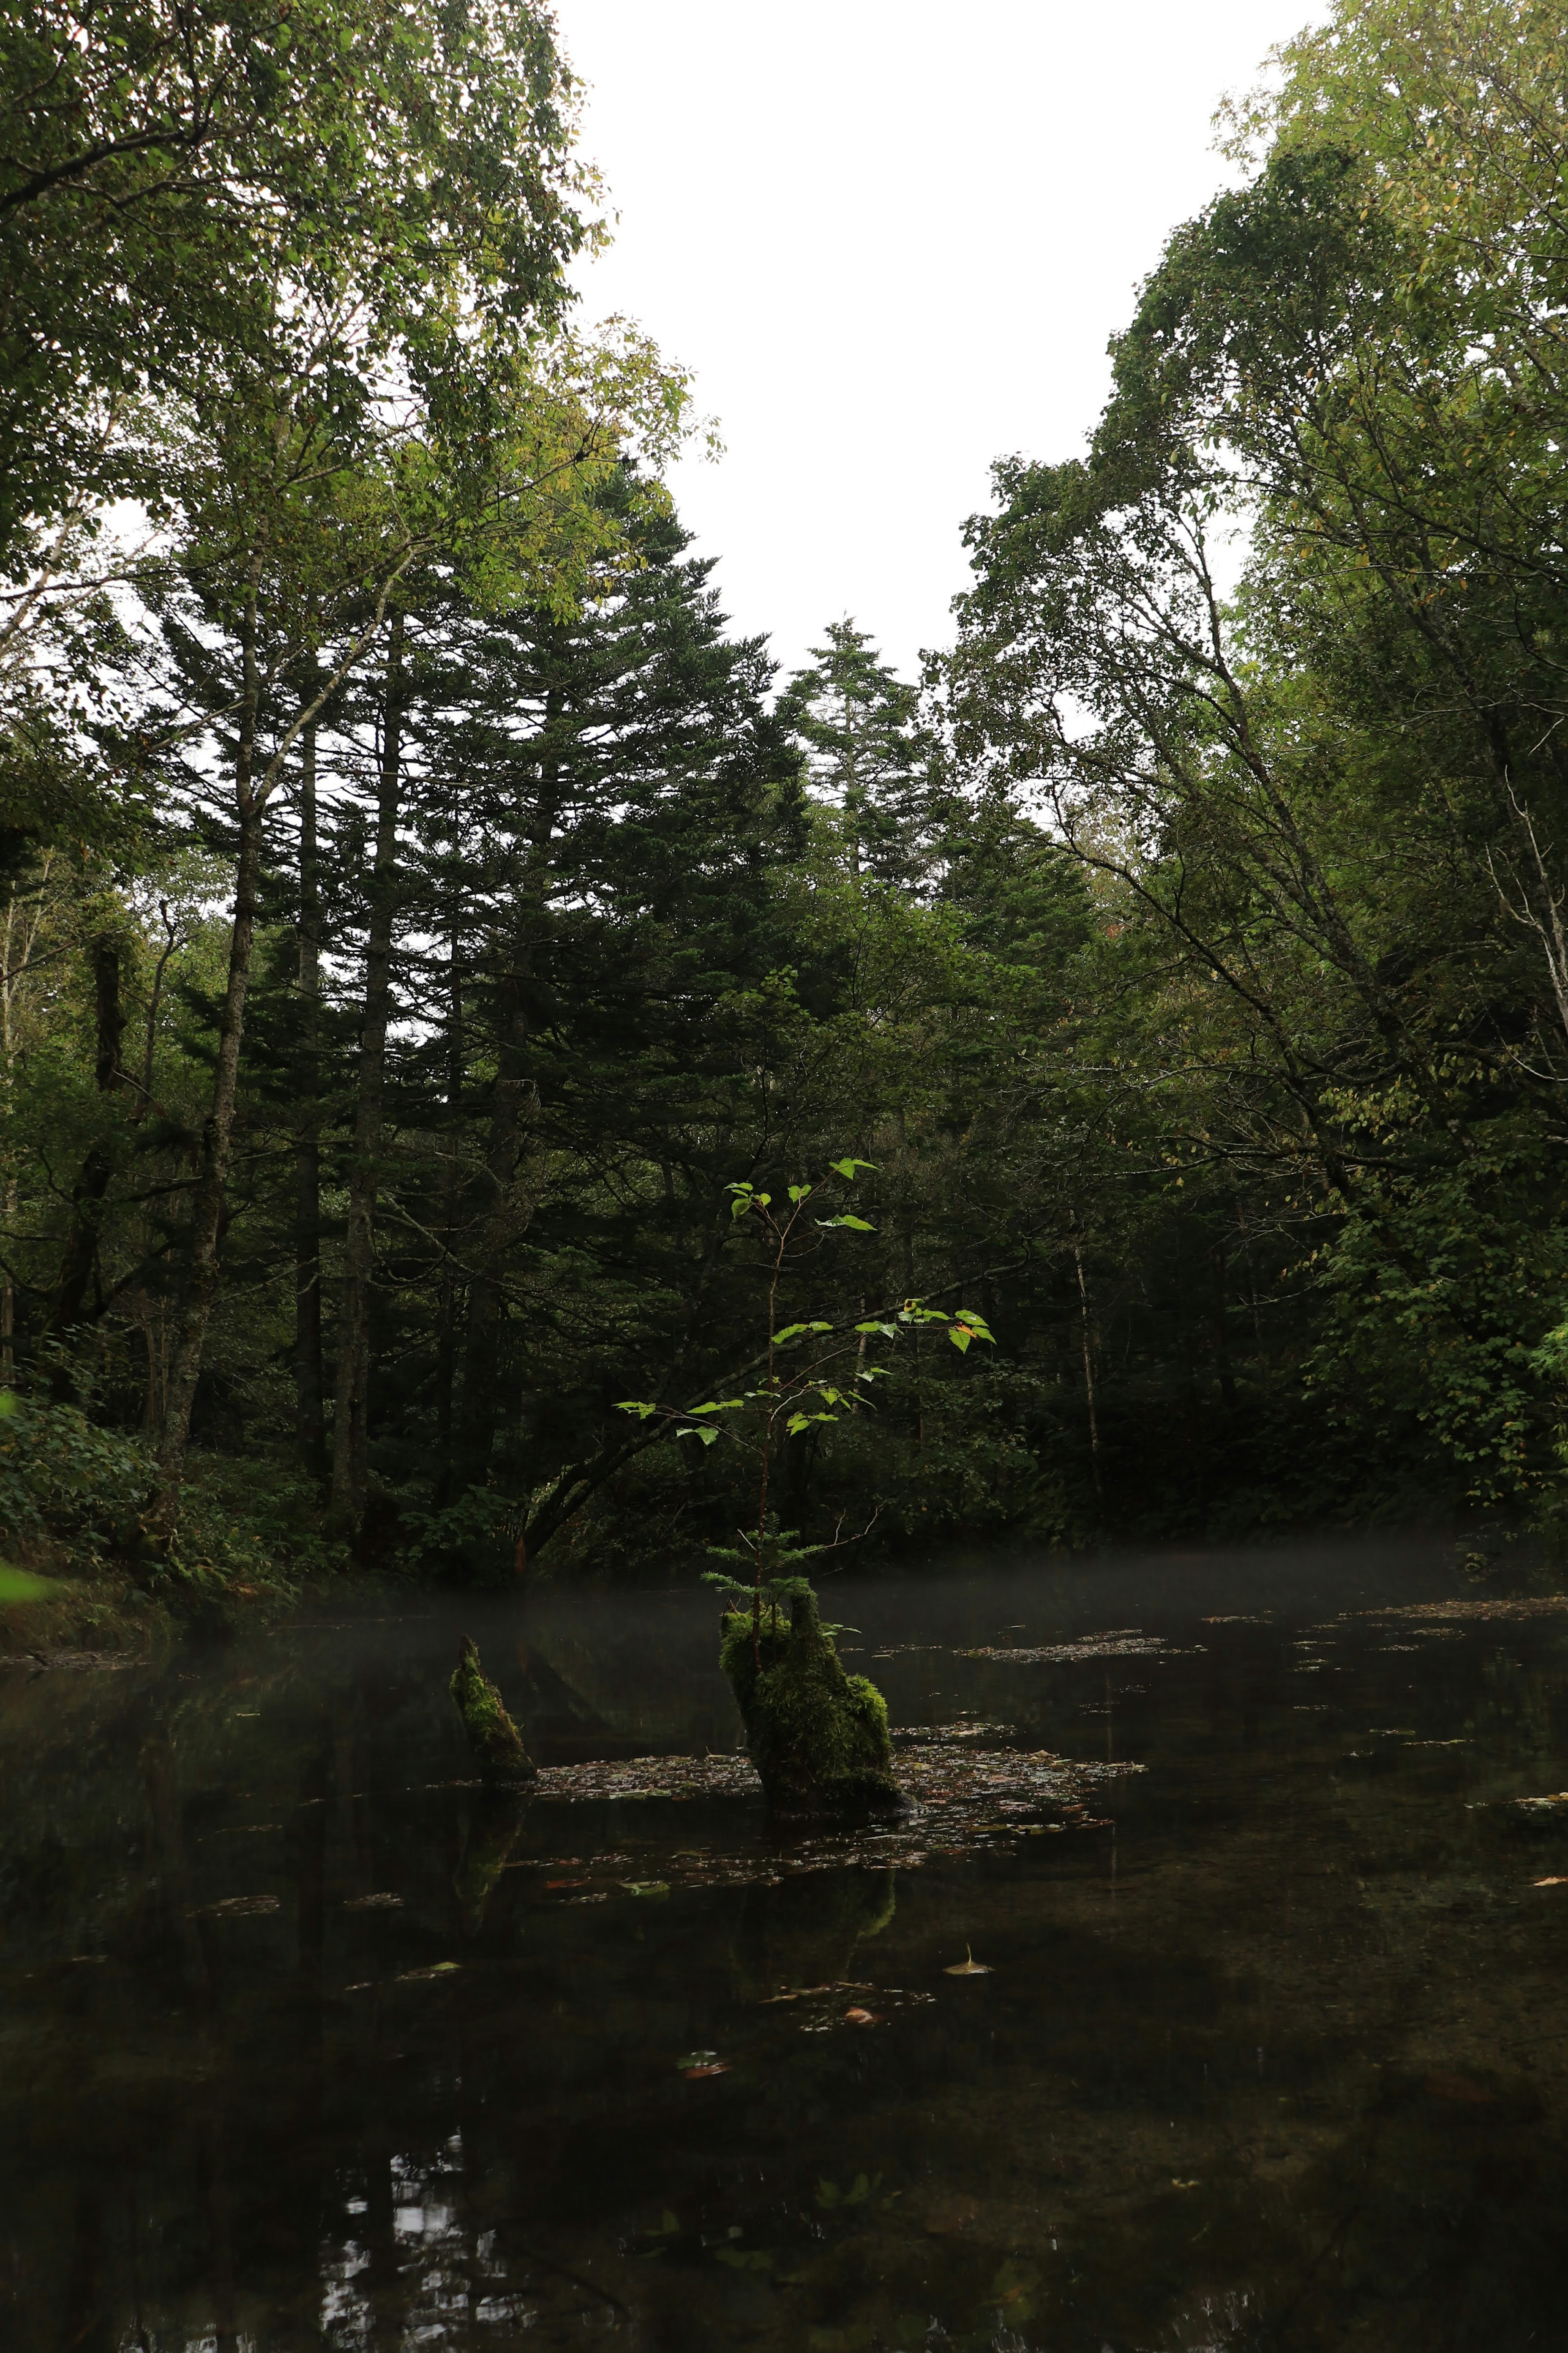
{"x": 217, "y": 1132}
{"x": 446, "y": 1304}
{"x": 91, "y": 1188}
{"x": 351, "y": 1417}
{"x": 309, "y": 1385}
{"x": 512, "y": 1095}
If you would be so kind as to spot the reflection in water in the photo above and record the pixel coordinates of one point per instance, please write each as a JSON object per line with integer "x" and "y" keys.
{"x": 495, "y": 1824}
{"x": 305, "y": 2040}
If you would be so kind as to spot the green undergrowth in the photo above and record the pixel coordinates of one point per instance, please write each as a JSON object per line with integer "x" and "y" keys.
{"x": 80, "y": 1565}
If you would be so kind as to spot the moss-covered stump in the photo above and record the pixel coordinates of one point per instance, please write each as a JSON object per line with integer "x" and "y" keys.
{"x": 492, "y": 1735}
{"x": 818, "y": 1736}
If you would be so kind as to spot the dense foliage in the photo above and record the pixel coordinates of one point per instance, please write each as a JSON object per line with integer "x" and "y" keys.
{"x": 422, "y": 913}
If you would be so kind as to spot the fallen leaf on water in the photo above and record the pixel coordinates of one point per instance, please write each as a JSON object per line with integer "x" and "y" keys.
{"x": 715, "y": 2067}
{"x": 968, "y": 1967}
{"x": 798, "y": 1993}
{"x": 236, "y": 1907}
{"x": 1550, "y": 1883}
{"x": 861, "y": 2017}
{"x": 437, "y": 1970}
{"x": 1183, "y": 2185}
{"x": 565, "y": 1883}
{"x": 696, "y": 2058}
{"x": 372, "y": 1902}
{"x": 646, "y": 1886}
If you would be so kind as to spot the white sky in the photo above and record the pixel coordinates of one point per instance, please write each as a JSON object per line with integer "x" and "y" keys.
{"x": 892, "y": 240}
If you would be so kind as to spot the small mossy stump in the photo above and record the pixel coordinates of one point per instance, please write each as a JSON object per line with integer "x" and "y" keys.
{"x": 818, "y": 1736}
{"x": 492, "y": 1735}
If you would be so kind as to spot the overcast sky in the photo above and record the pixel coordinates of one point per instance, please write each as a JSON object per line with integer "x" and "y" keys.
{"x": 892, "y": 240}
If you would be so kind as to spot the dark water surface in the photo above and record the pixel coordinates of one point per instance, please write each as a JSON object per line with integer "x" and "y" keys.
{"x": 305, "y": 2043}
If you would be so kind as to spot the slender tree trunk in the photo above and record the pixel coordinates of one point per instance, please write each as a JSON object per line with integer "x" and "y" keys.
{"x": 1088, "y": 1389}
{"x": 447, "y": 1304}
{"x": 512, "y": 1098}
{"x": 217, "y": 1133}
{"x": 310, "y": 1387}
{"x": 481, "y": 1351}
{"x": 91, "y": 1188}
{"x": 351, "y": 1417}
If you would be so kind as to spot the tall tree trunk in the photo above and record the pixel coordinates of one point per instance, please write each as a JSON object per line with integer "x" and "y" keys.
{"x": 310, "y": 1387}
{"x": 350, "y": 1416}
{"x": 481, "y": 1351}
{"x": 447, "y": 1305}
{"x": 217, "y": 1132}
{"x": 1087, "y": 1334}
{"x": 511, "y": 1096}
{"x": 91, "y": 1188}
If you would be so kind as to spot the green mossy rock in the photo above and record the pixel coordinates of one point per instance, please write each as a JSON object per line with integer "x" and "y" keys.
{"x": 818, "y": 1736}
{"x": 492, "y": 1735}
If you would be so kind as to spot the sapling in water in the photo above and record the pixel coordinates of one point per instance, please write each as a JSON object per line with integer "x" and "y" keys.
{"x": 818, "y": 1736}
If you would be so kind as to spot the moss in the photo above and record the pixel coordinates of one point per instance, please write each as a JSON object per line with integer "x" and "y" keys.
{"x": 492, "y": 1735}
{"x": 818, "y": 1736}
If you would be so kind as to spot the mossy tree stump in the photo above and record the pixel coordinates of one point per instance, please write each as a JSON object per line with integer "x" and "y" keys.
{"x": 493, "y": 1736}
{"x": 818, "y": 1736}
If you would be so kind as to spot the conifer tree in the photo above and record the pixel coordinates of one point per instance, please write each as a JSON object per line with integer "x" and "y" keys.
{"x": 866, "y": 753}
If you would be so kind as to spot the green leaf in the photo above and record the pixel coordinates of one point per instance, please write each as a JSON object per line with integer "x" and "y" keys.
{"x": 708, "y": 1437}
{"x": 847, "y": 1168}
{"x": 636, "y": 1406}
{"x": 739, "y": 1207}
{"x": 858, "y": 1224}
{"x": 961, "y": 1338}
{"x": 888, "y": 1331}
{"x": 976, "y": 1323}
{"x": 719, "y": 1404}
{"x": 799, "y": 1192}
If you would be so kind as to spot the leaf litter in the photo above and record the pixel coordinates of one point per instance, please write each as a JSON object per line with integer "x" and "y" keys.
{"x": 962, "y": 1798}
{"x": 1122, "y": 1642}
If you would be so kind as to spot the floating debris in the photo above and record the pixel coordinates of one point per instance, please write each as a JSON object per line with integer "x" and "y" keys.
{"x": 960, "y": 1799}
{"x": 909, "y": 1735}
{"x": 1129, "y": 1645}
{"x": 381, "y": 1903}
{"x": 75, "y": 1662}
{"x": 236, "y": 1907}
{"x": 968, "y": 1967}
{"x": 1525, "y": 1605}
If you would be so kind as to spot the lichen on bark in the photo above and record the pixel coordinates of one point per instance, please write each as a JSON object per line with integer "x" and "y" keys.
{"x": 492, "y": 1735}
{"x": 818, "y": 1736}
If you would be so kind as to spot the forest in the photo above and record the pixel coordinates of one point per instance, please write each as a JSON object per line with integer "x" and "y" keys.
{"x": 429, "y": 930}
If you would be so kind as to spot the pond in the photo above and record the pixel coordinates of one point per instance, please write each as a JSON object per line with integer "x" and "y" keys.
{"x": 1260, "y": 1862}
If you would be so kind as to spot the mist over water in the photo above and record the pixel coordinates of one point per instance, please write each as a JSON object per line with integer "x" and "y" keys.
{"x": 306, "y": 2040}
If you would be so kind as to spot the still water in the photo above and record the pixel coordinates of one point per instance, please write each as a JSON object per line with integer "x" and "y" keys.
{"x": 304, "y": 2042}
